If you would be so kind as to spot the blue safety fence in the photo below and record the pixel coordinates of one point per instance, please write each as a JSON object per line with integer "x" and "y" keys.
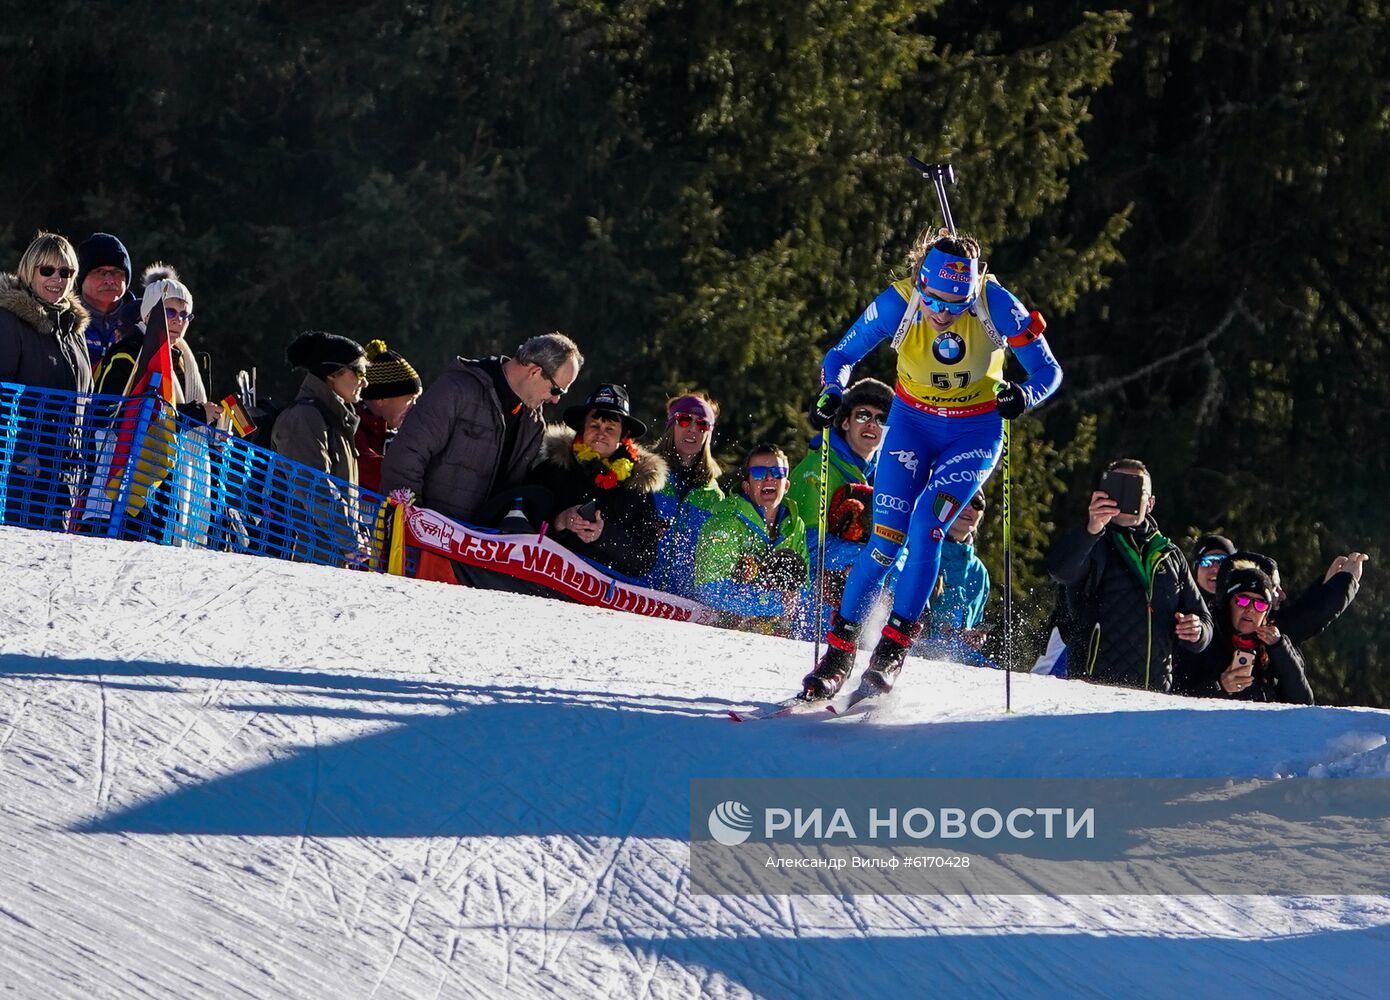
{"x": 134, "y": 468}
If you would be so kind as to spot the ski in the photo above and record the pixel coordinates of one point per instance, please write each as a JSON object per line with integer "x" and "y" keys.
{"x": 862, "y": 695}
{"x": 794, "y": 705}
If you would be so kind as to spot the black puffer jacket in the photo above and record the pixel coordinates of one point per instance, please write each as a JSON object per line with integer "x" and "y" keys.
{"x": 631, "y": 526}
{"x": 1121, "y": 625}
{"x": 1278, "y": 674}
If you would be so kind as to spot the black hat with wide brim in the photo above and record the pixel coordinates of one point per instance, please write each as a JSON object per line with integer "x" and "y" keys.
{"x": 611, "y": 400}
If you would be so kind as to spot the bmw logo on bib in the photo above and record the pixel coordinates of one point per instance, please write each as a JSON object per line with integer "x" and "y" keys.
{"x": 948, "y": 348}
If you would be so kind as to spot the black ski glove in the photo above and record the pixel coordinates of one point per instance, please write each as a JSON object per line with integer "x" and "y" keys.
{"x": 1011, "y": 401}
{"x": 824, "y": 408}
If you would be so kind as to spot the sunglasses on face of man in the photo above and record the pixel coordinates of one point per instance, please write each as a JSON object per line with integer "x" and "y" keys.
{"x": 864, "y": 416}
{"x": 758, "y": 473}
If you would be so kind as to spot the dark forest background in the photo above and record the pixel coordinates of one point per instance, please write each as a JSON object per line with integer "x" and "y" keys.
{"x": 704, "y": 193}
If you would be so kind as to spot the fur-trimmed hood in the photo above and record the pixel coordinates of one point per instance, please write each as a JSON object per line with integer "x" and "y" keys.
{"x": 16, "y": 298}
{"x": 648, "y": 472}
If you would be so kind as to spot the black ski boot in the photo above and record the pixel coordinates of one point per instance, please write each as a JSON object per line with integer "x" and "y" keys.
{"x": 841, "y": 643}
{"x": 887, "y": 659}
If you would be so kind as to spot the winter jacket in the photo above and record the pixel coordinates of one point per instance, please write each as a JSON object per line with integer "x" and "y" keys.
{"x": 961, "y": 606}
{"x": 371, "y": 440}
{"x": 1123, "y": 588}
{"x": 40, "y": 344}
{"x": 631, "y": 527}
{"x": 105, "y": 330}
{"x": 1278, "y": 676}
{"x": 844, "y": 467}
{"x": 317, "y": 430}
{"x": 114, "y": 375}
{"x": 448, "y": 451}
{"x": 732, "y": 558}
{"x": 684, "y": 512}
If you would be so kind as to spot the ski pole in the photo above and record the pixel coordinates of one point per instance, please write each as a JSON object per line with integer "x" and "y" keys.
{"x": 940, "y": 174}
{"x": 1008, "y": 580}
{"x": 820, "y": 537}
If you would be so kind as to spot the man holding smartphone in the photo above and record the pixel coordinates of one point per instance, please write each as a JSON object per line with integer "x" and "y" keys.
{"x": 1130, "y": 596}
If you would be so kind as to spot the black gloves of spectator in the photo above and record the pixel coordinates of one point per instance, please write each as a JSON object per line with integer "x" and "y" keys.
{"x": 824, "y": 408}
{"x": 783, "y": 570}
{"x": 1011, "y": 401}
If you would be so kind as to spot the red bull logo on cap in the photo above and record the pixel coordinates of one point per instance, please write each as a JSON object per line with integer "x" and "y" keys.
{"x": 944, "y": 272}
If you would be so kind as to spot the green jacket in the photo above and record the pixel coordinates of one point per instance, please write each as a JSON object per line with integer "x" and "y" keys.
{"x": 734, "y": 534}
{"x": 845, "y": 467}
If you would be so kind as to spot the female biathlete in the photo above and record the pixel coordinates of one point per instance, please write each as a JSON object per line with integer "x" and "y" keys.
{"x": 950, "y": 326}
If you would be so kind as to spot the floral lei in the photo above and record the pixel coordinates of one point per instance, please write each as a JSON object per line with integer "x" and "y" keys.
{"x": 611, "y": 471}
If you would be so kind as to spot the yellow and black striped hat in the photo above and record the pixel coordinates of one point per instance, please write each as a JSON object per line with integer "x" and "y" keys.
{"x": 389, "y": 374}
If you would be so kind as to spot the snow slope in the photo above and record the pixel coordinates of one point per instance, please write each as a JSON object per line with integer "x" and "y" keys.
{"x": 232, "y": 777}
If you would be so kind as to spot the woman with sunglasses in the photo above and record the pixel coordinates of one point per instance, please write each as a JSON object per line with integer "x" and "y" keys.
{"x": 42, "y": 344}
{"x": 163, "y": 290}
{"x": 1248, "y": 658}
{"x": 751, "y": 562}
{"x": 1208, "y": 556}
{"x": 950, "y": 325}
{"x": 691, "y": 491}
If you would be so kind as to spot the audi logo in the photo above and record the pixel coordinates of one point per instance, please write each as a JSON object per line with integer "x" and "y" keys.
{"x": 890, "y": 502}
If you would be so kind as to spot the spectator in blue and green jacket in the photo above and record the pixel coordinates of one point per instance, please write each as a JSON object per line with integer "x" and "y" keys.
{"x": 962, "y": 590}
{"x": 691, "y": 491}
{"x": 751, "y": 562}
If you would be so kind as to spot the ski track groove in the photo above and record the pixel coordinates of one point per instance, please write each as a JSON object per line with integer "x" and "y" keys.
{"x": 403, "y": 931}
{"x": 14, "y": 723}
{"x": 308, "y": 816}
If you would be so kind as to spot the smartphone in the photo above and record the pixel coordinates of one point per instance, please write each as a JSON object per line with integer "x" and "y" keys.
{"x": 1125, "y": 489}
{"x": 588, "y": 510}
{"x": 1243, "y": 659}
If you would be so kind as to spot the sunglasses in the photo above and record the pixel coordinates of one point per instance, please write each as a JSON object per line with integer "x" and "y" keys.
{"x": 684, "y": 420}
{"x": 359, "y": 370}
{"x": 556, "y": 391}
{"x": 47, "y": 271}
{"x": 1245, "y": 600}
{"x": 185, "y": 315}
{"x": 942, "y": 306}
{"x": 758, "y": 473}
{"x": 1211, "y": 559}
{"x": 864, "y": 416}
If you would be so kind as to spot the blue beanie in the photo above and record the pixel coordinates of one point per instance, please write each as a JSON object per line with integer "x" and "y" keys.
{"x": 101, "y": 250}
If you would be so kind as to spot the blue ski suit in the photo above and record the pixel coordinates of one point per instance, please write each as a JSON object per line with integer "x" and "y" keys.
{"x": 944, "y": 431}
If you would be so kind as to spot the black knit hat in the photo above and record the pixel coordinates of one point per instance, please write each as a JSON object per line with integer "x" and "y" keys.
{"x": 101, "y": 250}
{"x": 1248, "y": 580}
{"x": 322, "y": 354}
{"x": 1212, "y": 543}
{"x": 612, "y": 400}
{"x": 865, "y": 392}
{"x": 388, "y": 374}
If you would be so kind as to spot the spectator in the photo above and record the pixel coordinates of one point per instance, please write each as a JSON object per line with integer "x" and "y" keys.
{"x": 164, "y": 291}
{"x": 855, "y": 440}
{"x": 477, "y": 430}
{"x": 103, "y": 281}
{"x": 1208, "y": 555}
{"x": 691, "y": 491}
{"x": 752, "y": 562}
{"x": 1310, "y": 613}
{"x": 1130, "y": 596}
{"x": 317, "y": 430}
{"x": 595, "y": 458}
{"x": 1248, "y": 658}
{"x": 962, "y": 590}
{"x": 392, "y": 389}
{"x": 152, "y": 498}
{"x": 42, "y": 345}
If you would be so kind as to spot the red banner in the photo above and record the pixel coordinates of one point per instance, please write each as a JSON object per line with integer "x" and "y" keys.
{"x": 542, "y": 561}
